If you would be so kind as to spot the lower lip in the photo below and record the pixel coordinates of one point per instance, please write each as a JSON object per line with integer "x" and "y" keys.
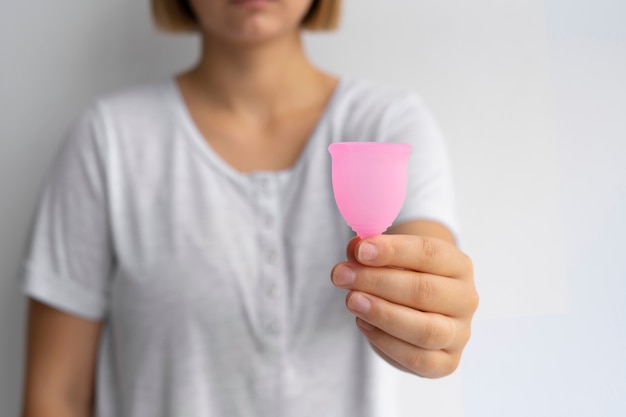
{"x": 251, "y": 3}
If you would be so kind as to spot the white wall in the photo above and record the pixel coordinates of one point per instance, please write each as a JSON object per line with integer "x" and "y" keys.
{"x": 532, "y": 97}
{"x": 572, "y": 364}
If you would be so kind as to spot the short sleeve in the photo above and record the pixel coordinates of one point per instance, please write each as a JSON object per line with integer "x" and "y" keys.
{"x": 70, "y": 258}
{"x": 430, "y": 190}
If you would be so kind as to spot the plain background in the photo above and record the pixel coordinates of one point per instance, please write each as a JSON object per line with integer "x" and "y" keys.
{"x": 531, "y": 95}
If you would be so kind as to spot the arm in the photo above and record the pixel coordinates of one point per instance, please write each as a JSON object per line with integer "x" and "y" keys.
{"x": 61, "y": 358}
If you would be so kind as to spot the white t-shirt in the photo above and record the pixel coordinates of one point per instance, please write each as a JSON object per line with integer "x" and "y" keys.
{"x": 214, "y": 285}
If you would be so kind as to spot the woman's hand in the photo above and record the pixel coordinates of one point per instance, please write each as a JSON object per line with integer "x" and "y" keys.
{"x": 414, "y": 298}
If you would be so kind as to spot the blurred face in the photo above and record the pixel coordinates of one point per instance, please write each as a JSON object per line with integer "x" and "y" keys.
{"x": 250, "y": 21}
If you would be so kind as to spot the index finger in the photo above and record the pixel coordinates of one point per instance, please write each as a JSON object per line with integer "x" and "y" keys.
{"x": 418, "y": 253}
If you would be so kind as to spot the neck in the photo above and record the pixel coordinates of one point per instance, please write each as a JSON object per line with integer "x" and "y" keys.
{"x": 258, "y": 78}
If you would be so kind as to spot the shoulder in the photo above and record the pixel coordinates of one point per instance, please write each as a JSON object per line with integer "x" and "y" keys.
{"x": 128, "y": 118}
{"x": 368, "y": 108}
{"x": 365, "y": 95}
{"x": 123, "y": 122}
{"x": 141, "y": 103}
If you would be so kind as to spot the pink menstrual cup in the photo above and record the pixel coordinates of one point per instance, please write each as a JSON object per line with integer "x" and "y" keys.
{"x": 369, "y": 182}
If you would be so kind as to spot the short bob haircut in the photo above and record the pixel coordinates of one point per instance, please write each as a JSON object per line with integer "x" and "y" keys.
{"x": 177, "y": 15}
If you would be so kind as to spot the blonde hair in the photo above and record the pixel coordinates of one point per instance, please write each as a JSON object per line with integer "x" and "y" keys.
{"x": 177, "y": 15}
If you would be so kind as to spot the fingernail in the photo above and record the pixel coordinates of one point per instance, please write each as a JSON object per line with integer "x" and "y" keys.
{"x": 343, "y": 276}
{"x": 367, "y": 252}
{"x": 359, "y": 304}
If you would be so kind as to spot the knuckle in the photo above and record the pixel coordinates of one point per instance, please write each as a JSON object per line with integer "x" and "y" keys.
{"x": 428, "y": 365}
{"x": 436, "y": 365}
{"x": 423, "y": 290}
{"x": 385, "y": 317}
{"x": 429, "y": 250}
{"x": 468, "y": 264}
{"x": 474, "y": 300}
{"x": 431, "y": 333}
{"x": 391, "y": 249}
{"x": 417, "y": 362}
{"x": 450, "y": 365}
{"x": 466, "y": 335}
{"x": 372, "y": 280}
{"x": 438, "y": 333}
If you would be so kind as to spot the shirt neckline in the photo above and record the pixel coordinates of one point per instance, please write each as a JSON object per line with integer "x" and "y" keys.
{"x": 204, "y": 148}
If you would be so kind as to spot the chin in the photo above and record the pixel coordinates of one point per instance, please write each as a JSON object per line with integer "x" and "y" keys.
{"x": 255, "y": 29}
{"x": 256, "y": 37}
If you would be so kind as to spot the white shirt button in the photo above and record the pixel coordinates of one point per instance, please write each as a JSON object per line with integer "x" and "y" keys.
{"x": 272, "y": 291}
{"x": 264, "y": 183}
{"x": 269, "y": 221}
{"x": 271, "y": 258}
{"x": 273, "y": 327}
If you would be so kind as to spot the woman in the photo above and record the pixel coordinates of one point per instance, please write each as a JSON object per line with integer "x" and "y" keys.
{"x": 178, "y": 261}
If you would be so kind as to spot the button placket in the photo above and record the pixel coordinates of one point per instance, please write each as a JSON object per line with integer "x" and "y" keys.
{"x": 271, "y": 308}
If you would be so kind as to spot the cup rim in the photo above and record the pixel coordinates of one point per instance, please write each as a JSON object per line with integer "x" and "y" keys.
{"x": 373, "y": 147}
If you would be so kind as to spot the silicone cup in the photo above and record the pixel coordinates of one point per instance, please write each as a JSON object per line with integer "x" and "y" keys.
{"x": 369, "y": 183}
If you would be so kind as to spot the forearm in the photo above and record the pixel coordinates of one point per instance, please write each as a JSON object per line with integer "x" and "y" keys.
{"x": 44, "y": 398}
{"x": 54, "y": 408}
{"x": 60, "y": 365}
